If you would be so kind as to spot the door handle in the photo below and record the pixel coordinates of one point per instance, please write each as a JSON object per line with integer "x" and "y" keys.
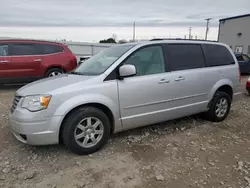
{"x": 4, "y": 61}
{"x": 37, "y": 60}
{"x": 162, "y": 81}
{"x": 179, "y": 78}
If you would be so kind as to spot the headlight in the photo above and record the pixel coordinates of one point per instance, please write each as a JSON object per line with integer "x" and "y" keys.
{"x": 36, "y": 102}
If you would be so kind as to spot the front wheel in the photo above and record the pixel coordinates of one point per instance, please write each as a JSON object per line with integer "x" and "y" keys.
{"x": 219, "y": 107}
{"x": 86, "y": 130}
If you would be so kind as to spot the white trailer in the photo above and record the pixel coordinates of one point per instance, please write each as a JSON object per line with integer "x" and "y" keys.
{"x": 83, "y": 49}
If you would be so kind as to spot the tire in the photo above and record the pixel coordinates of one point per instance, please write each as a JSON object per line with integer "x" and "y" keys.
{"x": 248, "y": 90}
{"x": 56, "y": 71}
{"x": 211, "y": 114}
{"x": 71, "y": 131}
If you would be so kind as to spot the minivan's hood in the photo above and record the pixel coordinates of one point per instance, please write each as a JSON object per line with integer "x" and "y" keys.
{"x": 48, "y": 84}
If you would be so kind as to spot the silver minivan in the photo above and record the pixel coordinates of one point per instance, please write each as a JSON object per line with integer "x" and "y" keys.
{"x": 124, "y": 87}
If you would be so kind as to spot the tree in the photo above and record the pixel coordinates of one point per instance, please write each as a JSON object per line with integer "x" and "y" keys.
{"x": 122, "y": 41}
{"x": 109, "y": 40}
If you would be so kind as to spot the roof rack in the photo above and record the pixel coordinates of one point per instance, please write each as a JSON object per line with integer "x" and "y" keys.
{"x": 155, "y": 39}
{"x": 158, "y": 39}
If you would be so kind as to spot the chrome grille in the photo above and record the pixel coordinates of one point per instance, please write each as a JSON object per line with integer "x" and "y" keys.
{"x": 15, "y": 103}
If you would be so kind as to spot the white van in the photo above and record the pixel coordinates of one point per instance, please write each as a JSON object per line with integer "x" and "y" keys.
{"x": 124, "y": 87}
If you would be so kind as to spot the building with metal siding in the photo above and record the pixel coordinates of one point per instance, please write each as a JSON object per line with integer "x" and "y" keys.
{"x": 235, "y": 32}
{"x": 81, "y": 49}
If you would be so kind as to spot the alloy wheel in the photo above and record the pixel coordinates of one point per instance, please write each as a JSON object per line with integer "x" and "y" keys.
{"x": 221, "y": 107}
{"x": 55, "y": 73}
{"x": 89, "y": 132}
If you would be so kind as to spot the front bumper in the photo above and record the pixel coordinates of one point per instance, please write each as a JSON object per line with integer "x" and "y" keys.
{"x": 35, "y": 129}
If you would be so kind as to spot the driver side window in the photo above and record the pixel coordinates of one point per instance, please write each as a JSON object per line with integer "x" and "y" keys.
{"x": 148, "y": 60}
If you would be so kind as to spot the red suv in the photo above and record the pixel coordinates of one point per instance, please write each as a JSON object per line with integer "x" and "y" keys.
{"x": 29, "y": 60}
{"x": 248, "y": 85}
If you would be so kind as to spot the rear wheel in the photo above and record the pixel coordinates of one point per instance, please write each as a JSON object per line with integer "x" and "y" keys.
{"x": 248, "y": 90}
{"x": 219, "y": 107}
{"x": 86, "y": 130}
{"x": 53, "y": 72}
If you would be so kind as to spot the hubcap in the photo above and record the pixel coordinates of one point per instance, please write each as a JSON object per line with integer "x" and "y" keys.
{"x": 221, "y": 107}
{"x": 89, "y": 132}
{"x": 55, "y": 73}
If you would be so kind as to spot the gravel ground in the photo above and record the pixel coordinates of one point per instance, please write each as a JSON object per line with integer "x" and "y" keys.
{"x": 189, "y": 152}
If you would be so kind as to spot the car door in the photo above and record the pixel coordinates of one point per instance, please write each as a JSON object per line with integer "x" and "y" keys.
{"x": 190, "y": 81}
{"x": 241, "y": 62}
{"x": 145, "y": 97}
{"x": 26, "y": 60}
{"x": 5, "y": 59}
{"x": 245, "y": 64}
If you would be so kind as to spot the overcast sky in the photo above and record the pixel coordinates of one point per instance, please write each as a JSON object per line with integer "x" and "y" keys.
{"x": 22, "y": 18}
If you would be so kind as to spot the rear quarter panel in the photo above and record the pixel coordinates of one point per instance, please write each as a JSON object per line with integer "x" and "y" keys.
{"x": 228, "y": 75}
{"x": 63, "y": 60}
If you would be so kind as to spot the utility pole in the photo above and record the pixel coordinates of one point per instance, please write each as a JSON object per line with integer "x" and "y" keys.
{"x": 190, "y": 32}
{"x": 207, "y": 28}
{"x": 114, "y": 36}
{"x": 134, "y": 32}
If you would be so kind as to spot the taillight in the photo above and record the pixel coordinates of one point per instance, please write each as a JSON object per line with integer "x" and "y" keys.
{"x": 73, "y": 59}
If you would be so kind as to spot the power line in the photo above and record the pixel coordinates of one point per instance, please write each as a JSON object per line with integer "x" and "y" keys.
{"x": 207, "y": 28}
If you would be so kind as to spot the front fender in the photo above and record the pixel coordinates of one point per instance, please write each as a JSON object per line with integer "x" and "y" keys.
{"x": 83, "y": 99}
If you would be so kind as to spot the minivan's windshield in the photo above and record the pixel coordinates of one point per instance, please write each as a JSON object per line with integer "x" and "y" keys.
{"x": 100, "y": 62}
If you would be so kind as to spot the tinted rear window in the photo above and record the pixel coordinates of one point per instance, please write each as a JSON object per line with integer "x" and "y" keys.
{"x": 23, "y": 49}
{"x": 185, "y": 56}
{"x": 49, "y": 48}
{"x": 217, "y": 55}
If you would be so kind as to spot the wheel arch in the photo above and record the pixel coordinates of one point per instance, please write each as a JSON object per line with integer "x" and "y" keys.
{"x": 223, "y": 85}
{"x": 109, "y": 109}
{"x": 227, "y": 89}
{"x": 53, "y": 67}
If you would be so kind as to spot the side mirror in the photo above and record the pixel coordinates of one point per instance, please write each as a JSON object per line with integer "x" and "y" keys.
{"x": 127, "y": 70}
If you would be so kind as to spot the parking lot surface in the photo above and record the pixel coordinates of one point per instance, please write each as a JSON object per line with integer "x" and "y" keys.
{"x": 188, "y": 152}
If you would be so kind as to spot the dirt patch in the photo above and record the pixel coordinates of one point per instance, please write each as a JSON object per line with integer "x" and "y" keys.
{"x": 188, "y": 152}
